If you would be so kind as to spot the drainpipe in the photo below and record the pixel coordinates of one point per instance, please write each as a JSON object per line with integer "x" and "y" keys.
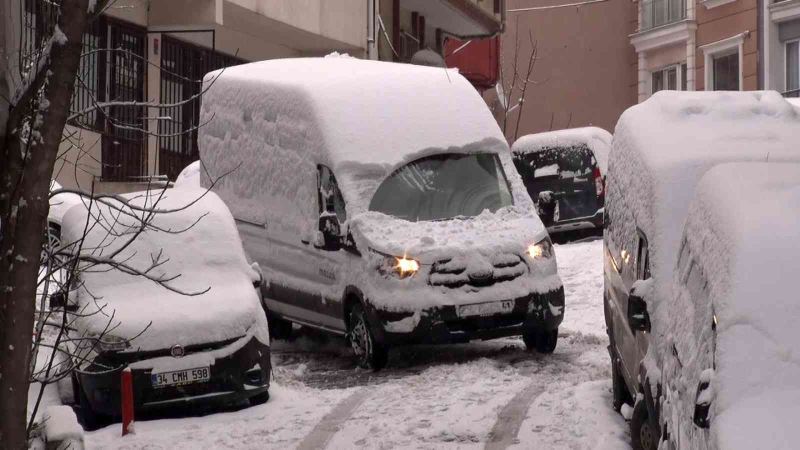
{"x": 372, "y": 41}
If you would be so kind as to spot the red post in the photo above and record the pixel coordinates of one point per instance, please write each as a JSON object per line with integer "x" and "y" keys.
{"x": 127, "y": 401}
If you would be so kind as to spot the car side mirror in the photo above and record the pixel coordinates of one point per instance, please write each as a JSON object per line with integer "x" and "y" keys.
{"x": 702, "y": 405}
{"x": 546, "y": 207}
{"x": 59, "y": 300}
{"x": 638, "y": 317}
{"x": 331, "y": 232}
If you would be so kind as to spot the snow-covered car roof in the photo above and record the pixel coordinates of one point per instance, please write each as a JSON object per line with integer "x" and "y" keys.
{"x": 663, "y": 146}
{"x": 743, "y": 226}
{"x": 361, "y": 118}
{"x": 189, "y": 176}
{"x": 597, "y": 139}
{"x": 195, "y": 239}
{"x": 61, "y": 203}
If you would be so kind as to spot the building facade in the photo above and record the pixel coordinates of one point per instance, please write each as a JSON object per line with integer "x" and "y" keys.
{"x": 139, "y": 87}
{"x": 781, "y": 45}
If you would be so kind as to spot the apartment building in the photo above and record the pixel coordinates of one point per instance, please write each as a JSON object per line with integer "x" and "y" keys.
{"x": 781, "y": 46}
{"x": 142, "y": 53}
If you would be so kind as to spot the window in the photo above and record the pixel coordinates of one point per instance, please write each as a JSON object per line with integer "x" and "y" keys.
{"x": 330, "y": 197}
{"x": 671, "y": 78}
{"x": 726, "y": 72}
{"x": 643, "y": 258}
{"x": 792, "y": 66}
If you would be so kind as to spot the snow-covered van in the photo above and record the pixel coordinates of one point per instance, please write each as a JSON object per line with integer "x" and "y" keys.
{"x": 174, "y": 300}
{"x": 732, "y": 372}
{"x": 381, "y": 202}
{"x": 564, "y": 172}
{"x": 662, "y": 148}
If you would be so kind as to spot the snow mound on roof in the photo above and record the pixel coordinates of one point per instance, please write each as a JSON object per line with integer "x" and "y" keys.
{"x": 664, "y": 146}
{"x": 195, "y": 239}
{"x": 597, "y": 139}
{"x": 189, "y": 176}
{"x": 745, "y": 222}
{"x": 271, "y": 122}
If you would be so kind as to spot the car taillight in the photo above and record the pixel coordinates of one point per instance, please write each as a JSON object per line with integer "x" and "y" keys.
{"x": 599, "y": 184}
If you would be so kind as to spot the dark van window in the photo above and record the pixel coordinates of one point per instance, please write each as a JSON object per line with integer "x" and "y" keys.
{"x": 643, "y": 259}
{"x": 330, "y": 197}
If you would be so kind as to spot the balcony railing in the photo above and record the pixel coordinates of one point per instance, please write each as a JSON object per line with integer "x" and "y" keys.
{"x": 656, "y": 13}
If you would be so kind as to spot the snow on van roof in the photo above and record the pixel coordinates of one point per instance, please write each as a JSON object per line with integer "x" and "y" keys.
{"x": 270, "y": 123}
{"x": 743, "y": 228}
{"x": 198, "y": 243}
{"x": 663, "y": 146}
{"x": 597, "y": 139}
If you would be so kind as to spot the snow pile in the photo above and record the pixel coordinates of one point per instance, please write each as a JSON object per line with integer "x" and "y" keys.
{"x": 61, "y": 426}
{"x": 663, "y": 147}
{"x": 189, "y": 176}
{"x": 742, "y": 230}
{"x": 272, "y": 122}
{"x": 194, "y": 243}
{"x": 597, "y": 139}
{"x": 61, "y": 203}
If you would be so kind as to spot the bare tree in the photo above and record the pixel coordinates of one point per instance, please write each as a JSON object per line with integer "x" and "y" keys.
{"x": 513, "y": 89}
{"x": 36, "y": 88}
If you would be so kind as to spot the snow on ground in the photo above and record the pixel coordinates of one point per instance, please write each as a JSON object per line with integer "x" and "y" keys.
{"x": 481, "y": 395}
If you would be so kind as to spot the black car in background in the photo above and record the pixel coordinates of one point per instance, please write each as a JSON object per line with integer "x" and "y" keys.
{"x": 564, "y": 172}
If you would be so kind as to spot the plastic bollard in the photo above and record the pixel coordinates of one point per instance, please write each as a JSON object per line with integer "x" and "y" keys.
{"x": 127, "y": 401}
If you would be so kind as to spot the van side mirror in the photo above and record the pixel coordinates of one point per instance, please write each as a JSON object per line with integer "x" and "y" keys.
{"x": 638, "y": 317}
{"x": 331, "y": 232}
{"x": 702, "y": 405}
{"x": 58, "y": 300}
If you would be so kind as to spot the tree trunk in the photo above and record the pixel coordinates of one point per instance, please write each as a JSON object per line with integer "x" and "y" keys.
{"x": 24, "y": 205}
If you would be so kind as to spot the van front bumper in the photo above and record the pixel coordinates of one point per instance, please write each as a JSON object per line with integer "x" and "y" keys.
{"x": 233, "y": 378}
{"x": 443, "y": 324}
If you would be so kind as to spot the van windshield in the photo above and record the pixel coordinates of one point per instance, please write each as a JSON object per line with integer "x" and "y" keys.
{"x": 444, "y": 187}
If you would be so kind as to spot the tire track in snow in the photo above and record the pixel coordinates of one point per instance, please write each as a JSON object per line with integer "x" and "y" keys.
{"x": 319, "y": 437}
{"x": 509, "y": 420}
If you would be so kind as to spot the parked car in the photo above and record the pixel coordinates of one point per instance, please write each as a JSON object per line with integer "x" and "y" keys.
{"x": 731, "y": 376}
{"x": 59, "y": 205}
{"x": 564, "y": 172}
{"x": 192, "y": 330}
{"x": 382, "y": 203}
{"x": 662, "y": 148}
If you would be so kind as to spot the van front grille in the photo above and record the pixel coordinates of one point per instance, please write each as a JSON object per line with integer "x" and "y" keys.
{"x": 456, "y": 272}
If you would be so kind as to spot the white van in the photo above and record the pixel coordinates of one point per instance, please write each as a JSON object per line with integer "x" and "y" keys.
{"x": 381, "y": 202}
{"x": 732, "y": 375}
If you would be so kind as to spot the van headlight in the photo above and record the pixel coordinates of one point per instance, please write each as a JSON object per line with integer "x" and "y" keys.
{"x": 541, "y": 250}
{"x": 399, "y": 266}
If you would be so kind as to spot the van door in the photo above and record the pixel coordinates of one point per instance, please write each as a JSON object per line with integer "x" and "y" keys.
{"x": 310, "y": 291}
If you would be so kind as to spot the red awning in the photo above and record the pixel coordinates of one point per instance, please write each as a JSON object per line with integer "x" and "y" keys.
{"x": 478, "y": 60}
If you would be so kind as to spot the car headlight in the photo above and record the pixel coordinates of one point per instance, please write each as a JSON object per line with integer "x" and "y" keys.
{"x": 110, "y": 343}
{"x": 541, "y": 250}
{"x": 399, "y": 266}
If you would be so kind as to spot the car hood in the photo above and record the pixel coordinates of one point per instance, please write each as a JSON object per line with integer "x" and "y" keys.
{"x": 761, "y": 421}
{"x": 225, "y": 306}
{"x": 505, "y": 231}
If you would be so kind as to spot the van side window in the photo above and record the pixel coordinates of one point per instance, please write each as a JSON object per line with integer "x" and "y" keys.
{"x": 329, "y": 195}
{"x": 643, "y": 258}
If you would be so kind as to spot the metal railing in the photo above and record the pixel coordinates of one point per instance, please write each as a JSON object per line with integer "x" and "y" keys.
{"x": 656, "y": 13}
{"x": 792, "y": 94}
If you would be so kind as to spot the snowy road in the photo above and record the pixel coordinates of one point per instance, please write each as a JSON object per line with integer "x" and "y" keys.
{"x": 491, "y": 395}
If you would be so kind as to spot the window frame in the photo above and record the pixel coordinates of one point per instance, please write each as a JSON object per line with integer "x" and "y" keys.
{"x": 681, "y": 75}
{"x": 725, "y": 47}
{"x": 786, "y": 44}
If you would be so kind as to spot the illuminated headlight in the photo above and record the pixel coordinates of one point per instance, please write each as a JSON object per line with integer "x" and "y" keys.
{"x": 110, "y": 343}
{"x": 541, "y": 250}
{"x": 402, "y": 267}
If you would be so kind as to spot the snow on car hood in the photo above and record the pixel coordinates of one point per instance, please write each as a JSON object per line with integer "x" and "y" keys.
{"x": 508, "y": 230}
{"x": 200, "y": 254}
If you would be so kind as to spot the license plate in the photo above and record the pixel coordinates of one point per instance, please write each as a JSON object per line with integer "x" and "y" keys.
{"x": 485, "y": 309}
{"x": 180, "y": 377}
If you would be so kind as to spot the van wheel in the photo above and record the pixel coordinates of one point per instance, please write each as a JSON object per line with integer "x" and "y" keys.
{"x": 259, "y": 399}
{"x": 543, "y": 341}
{"x": 643, "y": 436}
{"x": 369, "y": 352}
{"x": 279, "y": 328}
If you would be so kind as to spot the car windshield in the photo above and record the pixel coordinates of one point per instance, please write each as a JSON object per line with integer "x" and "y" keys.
{"x": 444, "y": 187}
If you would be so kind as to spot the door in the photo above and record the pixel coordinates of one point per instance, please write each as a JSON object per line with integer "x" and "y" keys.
{"x": 307, "y": 286}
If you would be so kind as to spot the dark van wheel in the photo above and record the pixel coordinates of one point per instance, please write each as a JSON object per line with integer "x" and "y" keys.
{"x": 643, "y": 436}
{"x": 279, "y": 328}
{"x": 619, "y": 389}
{"x": 369, "y": 353}
{"x": 541, "y": 341}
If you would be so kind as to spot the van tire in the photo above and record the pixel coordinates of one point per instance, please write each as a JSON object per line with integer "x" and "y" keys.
{"x": 369, "y": 351}
{"x": 259, "y": 399}
{"x": 643, "y": 436}
{"x": 543, "y": 341}
{"x": 279, "y": 328}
